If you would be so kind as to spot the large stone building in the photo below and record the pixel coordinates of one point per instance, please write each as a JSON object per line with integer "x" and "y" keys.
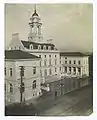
{"x": 31, "y": 76}
{"x": 51, "y": 64}
{"x": 36, "y": 45}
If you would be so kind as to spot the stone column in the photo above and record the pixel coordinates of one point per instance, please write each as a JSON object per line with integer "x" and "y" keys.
{"x": 63, "y": 69}
{"x": 81, "y": 71}
{"x": 77, "y": 71}
{"x": 67, "y": 69}
{"x": 71, "y": 70}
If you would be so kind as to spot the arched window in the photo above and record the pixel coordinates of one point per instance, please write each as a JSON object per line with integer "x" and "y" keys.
{"x": 55, "y": 69}
{"x": 45, "y": 72}
{"x": 55, "y": 61}
{"x": 34, "y": 70}
{"x": 19, "y": 48}
{"x": 70, "y": 70}
{"x": 79, "y": 62}
{"x": 49, "y": 61}
{"x": 40, "y": 72}
{"x": 79, "y": 70}
{"x": 49, "y": 56}
{"x": 44, "y": 47}
{"x": 50, "y": 71}
{"x": 74, "y": 70}
{"x": 31, "y": 46}
{"x": 5, "y": 70}
{"x": 10, "y": 71}
{"x": 39, "y": 47}
{"x": 52, "y": 48}
{"x": 11, "y": 48}
{"x": 55, "y": 48}
{"x": 45, "y": 62}
{"x": 69, "y": 61}
{"x": 40, "y": 63}
{"x": 11, "y": 88}
{"x": 49, "y": 47}
{"x": 65, "y": 69}
{"x": 34, "y": 84}
{"x": 40, "y": 56}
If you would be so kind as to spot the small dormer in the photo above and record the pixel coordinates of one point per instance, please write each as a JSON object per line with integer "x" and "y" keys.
{"x": 49, "y": 47}
{"x": 19, "y": 48}
{"x": 11, "y": 48}
{"x": 31, "y": 47}
{"x": 39, "y": 47}
{"x": 44, "y": 47}
{"x": 55, "y": 48}
{"x": 52, "y": 47}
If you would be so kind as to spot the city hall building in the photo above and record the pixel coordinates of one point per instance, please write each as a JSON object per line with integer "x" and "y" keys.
{"x": 42, "y": 57}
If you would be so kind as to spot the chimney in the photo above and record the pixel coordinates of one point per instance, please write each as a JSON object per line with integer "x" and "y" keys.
{"x": 15, "y": 36}
{"x": 49, "y": 40}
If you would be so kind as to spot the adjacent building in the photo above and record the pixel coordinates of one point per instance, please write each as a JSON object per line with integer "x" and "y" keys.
{"x": 14, "y": 59}
{"x": 74, "y": 64}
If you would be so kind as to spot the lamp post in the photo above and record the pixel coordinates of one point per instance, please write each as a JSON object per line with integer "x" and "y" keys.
{"x": 61, "y": 86}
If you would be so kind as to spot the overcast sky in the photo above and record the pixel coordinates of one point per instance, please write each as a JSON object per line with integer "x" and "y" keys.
{"x": 69, "y": 25}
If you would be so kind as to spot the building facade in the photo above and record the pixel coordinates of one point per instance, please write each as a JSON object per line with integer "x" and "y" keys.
{"x": 74, "y": 64}
{"x": 31, "y": 76}
{"x": 36, "y": 45}
{"x": 51, "y": 66}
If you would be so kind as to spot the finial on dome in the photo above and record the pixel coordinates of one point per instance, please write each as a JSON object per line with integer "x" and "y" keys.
{"x": 35, "y": 14}
{"x": 35, "y": 8}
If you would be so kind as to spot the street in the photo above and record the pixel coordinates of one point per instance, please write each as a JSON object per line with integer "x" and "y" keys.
{"x": 76, "y": 103}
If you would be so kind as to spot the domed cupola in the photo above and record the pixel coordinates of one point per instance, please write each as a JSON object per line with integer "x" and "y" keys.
{"x": 35, "y": 27}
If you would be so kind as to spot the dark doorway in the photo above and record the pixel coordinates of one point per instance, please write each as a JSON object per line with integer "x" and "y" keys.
{"x": 55, "y": 93}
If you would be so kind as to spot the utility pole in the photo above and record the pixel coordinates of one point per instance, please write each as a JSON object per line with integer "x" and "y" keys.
{"x": 22, "y": 87}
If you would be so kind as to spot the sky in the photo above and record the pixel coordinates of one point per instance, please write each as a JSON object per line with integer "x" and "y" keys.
{"x": 69, "y": 25}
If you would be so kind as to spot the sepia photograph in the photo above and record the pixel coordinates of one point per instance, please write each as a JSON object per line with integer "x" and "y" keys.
{"x": 48, "y": 59}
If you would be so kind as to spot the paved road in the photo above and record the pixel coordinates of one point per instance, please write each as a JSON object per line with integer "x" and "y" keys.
{"x": 78, "y": 102}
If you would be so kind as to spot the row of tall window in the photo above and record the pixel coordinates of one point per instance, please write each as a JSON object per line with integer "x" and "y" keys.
{"x": 49, "y": 72}
{"x": 11, "y": 86}
{"x": 15, "y": 48}
{"x": 43, "y": 47}
{"x": 11, "y": 71}
{"x": 74, "y": 69}
{"x": 45, "y": 56}
{"x": 49, "y": 62}
{"x": 45, "y": 72}
{"x": 72, "y": 62}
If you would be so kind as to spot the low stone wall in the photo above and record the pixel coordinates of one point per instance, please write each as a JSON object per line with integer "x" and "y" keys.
{"x": 63, "y": 86}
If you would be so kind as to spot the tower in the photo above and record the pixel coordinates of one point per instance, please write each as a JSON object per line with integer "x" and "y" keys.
{"x": 35, "y": 24}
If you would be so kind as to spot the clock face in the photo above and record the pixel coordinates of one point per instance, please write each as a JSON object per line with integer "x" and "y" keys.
{"x": 35, "y": 20}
